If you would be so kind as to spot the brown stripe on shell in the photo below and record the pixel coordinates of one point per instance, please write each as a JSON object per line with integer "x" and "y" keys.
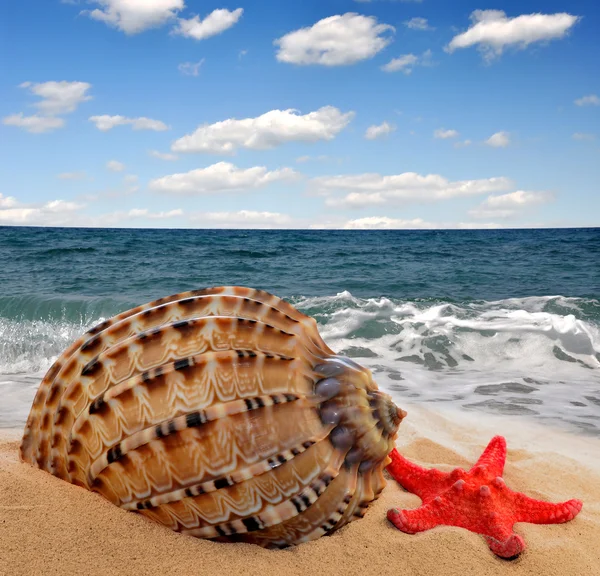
{"x": 164, "y": 344}
{"x": 193, "y": 419}
{"x": 298, "y": 528}
{"x": 236, "y": 477}
{"x": 196, "y": 455}
{"x": 180, "y": 306}
{"x": 250, "y": 497}
{"x": 274, "y": 515}
{"x": 153, "y": 396}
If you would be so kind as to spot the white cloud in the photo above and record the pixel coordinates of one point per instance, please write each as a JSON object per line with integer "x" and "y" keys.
{"x": 7, "y": 201}
{"x": 320, "y": 158}
{"x": 115, "y": 166}
{"x": 216, "y": 22}
{"x": 510, "y": 205}
{"x": 220, "y": 177}
{"x": 418, "y": 24}
{"x": 443, "y": 134}
{"x": 106, "y": 122}
{"x": 34, "y": 124}
{"x": 133, "y": 16}
{"x": 58, "y": 97}
{"x": 590, "y": 100}
{"x": 498, "y": 140}
{"x": 493, "y": 31}
{"x": 375, "y": 189}
{"x": 385, "y": 223}
{"x": 243, "y": 219}
{"x": 266, "y": 131}
{"x": 407, "y": 62}
{"x": 190, "y": 68}
{"x": 145, "y": 213}
{"x": 72, "y": 175}
{"x": 335, "y": 41}
{"x": 462, "y": 144}
{"x": 583, "y": 136}
{"x": 163, "y": 155}
{"x": 377, "y": 131}
{"x": 53, "y": 213}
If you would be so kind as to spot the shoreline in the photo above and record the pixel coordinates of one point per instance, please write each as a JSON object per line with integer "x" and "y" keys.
{"x": 50, "y": 527}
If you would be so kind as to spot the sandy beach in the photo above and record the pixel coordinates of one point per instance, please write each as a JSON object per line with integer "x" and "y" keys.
{"x": 50, "y": 527}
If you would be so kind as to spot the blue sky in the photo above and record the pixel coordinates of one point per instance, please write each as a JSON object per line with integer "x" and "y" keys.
{"x": 298, "y": 114}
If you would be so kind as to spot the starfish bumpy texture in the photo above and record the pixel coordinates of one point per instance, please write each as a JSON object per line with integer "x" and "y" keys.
{"x": 478, "y": 500}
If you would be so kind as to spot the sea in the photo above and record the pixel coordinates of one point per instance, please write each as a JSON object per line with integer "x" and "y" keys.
{"x": 486, "y": 321}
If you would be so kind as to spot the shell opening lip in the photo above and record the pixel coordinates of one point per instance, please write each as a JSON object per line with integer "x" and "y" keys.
{"x": 390, "y": 415}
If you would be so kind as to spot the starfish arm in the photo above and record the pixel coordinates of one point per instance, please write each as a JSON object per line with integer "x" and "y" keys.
{"x": 417, "y": 520}
{"x": 508, "y": 548}
{"x": 539, "y": 512}
{"x": 426, "y": 484}
{"x": 493, "y": 457}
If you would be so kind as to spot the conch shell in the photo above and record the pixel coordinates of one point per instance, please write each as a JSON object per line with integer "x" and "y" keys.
{"x": 220, "y": 413}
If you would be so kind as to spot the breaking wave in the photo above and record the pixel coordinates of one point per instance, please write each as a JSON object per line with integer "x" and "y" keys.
{"x": 538, "y": 357}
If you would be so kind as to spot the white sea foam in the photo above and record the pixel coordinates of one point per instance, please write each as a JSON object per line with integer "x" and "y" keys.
{"x": 536, "y": 357}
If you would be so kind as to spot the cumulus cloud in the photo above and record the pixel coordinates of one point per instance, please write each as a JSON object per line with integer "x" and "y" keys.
{"x": 385, "y": 223}
{"x": 493, "y": 31}
{"x": 7, "y": 201}
{"x": 134, "y": 16}
{"x": 216, "y": 22}
{"x": 34, "y": 124}
{"x": 263, "y": 132}
{"x": 145, "y": 213}
{"x": 462, "y": 144}
{"x": 320, "y": 158}
{"x": 418, "y": 24}
{"x": 220, "y": 177}
{"x": 374, "y": 189}
{"x": 377, "y": 131}
{"x": 498, "y": 140}
{"x": 407, "y": 62}
{"x": 443, "y": 134}
{"x": 53, "y": 213}
{"x": 163, "y": 155}
{"x": 335, "y": 41}
{"x": 106, "y": 123}
{"x": 190, "y": 68}
{"x": 242, "y": 219}
{"x": 590, "y": 100}
{"x": 115, "y": 166}
{"x": 510, "y": 205}
{"x": 58, "y": 97}
{"x": 68, "y": 213}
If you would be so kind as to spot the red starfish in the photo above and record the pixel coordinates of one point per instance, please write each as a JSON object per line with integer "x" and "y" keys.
{"x": 478, "y": 500}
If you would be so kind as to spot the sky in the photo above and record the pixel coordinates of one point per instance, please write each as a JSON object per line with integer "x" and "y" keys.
{"x": 340, "y": 114}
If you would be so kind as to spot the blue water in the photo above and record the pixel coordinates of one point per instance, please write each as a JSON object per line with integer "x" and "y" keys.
{"x": 501, "y": 322}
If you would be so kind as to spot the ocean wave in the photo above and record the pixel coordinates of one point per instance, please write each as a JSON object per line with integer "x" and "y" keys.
{"x": 52, "y": 309}
{"x": 536, "y": 356}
